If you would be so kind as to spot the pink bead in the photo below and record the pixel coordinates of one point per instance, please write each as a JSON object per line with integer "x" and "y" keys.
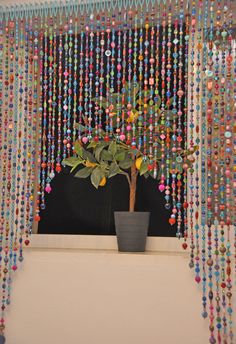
{"x": 14, "y": 268}
{"x": 128, "y": 127}
{"x": 161, "y": 187}
{"x": 119, "y": 67}
{"x": 197, "y": 279}
{"x": 48, "y": 188}
{"x": 84, "y": 139}
{"x": 122, "y": 137}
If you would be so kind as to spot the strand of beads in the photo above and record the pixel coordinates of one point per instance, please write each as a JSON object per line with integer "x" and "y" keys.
{"x": 191, "y": 131}
{"x": 197, "y": 138}
{"x": 162, "y": 131}
{"x": 228, "y": 178}
{"x": 54, "y": 106}
{"x": 216, "y": 178}
{"x": 40, "y": 122}
{"x": 178, "y": 59}
{"x": 6, "y": 165}
{"x": 123, "y": 71}
{"x": 107, "y": 78}
{"x": 101, "y": 80}
{"x": 75, "y": 82}
{"x": 156, "y": 98}
{"x": 49, "y": 109}
{"x": 185, "y": 125}
{"x": 81, "y": 66}
{"x": 11, "y": 265}
{"x": 209, "y": 171}
{"x": 112, "y": 74}
{"x": 65, "y": 88}
{"x": 173, "y": 149}
{"x": 118, "y": 67}
{"x": 170, "y": 188}
{"x": 145, "y": 86}
{"x": 140, "y": 79}
{"x": 97, "y": 69}
{"x": 203, "y": 165}
{"x": 69, "y": 87}
{"x": 151, "y": 82}
{"x": 90, "y": 91}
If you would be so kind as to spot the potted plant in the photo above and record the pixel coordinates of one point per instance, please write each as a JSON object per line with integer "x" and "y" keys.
{"x": 103, "y": 158}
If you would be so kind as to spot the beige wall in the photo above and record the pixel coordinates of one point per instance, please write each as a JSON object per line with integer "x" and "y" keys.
{"x": 101, "y": 297}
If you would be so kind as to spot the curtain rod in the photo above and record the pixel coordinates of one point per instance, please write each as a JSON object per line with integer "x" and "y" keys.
{"x": 45, "y": 8}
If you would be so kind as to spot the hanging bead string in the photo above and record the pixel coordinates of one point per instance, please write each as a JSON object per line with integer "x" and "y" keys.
{"x": 185, "y": 124}
{"x": 156, "y": 98}
{"x": 97, "y": 69}
{"x": 145, "y": 86}
{"x": 209, "y": 170}
{"x": 54, "y": 105}
{"x": 49, "y": 108}
{"x": 40, "y": 122}
{"x": 75, "y": 82}
{"x": 65, "y": 88}
{"x": 191, "y": 133}
{"x": 152, "y": 165}
{"x": 33, "y": 154}
{"x": 140, "y": 80}
{"x": 13, "y": 81}
{"x": 5, "y": 185}
{"x": 216, "y": 186}
{"x": 112, "y": 76}
{"x": 107, "y": 43}
{"x": 59, "y": 99}
{"x": 197, "y": 137}
{"x": 203, "y": 164}
{"x": 69, "y": 88}
{"x": 162, "y": 136}
{"x": 178, "y": 53}
{"x": 130, "y": 110}
{"x": 177, "y": 130}
{"x": 81, "y": 66}
{"x": 170, "y": 189}
{"x": 101, "y": 80}
{"x": 91, "y": 45}
{"x": 123, "y": 71}
{"x": 228, "y": 177}
{"x": 119, "y": 75}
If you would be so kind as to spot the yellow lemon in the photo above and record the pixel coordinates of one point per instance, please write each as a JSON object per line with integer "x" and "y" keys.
{"x": 138, "y": 162}
{"x": 90, "y": 164}
{"x": 103, "y": 181}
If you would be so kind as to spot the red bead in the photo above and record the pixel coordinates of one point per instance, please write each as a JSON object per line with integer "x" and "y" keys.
{"x": 184, "y": 245}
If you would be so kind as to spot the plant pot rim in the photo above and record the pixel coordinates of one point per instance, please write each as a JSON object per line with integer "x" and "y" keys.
{"x": 131, "y": 212}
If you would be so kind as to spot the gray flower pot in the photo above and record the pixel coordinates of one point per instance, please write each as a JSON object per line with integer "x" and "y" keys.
{"x": 131, "y": 230}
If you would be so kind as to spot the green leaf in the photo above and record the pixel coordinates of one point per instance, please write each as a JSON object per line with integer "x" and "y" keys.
{"x": 120, "y": 156}
{"x": 84, "y": 172}
{"x": 97, "y": 151}
{"x": 76, "y": 165}
{"x": 146, "y": 175}
{"x": 96, "y": 176}
{"x": 92, "y": 144}
{"x": 78, "y": 148}
{"x": 112, "y": 148}
{"x": 88, "y": 156}
{"x": 105, "y": 155}
{"x": 126, "y": 163}
{"x": 113, "y": 170}
{"x": 143, "y": 168}
{"x": 72, "y": 161}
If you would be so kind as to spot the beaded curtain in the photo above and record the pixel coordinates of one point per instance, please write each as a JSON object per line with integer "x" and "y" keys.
{"x": 65, "y": 67}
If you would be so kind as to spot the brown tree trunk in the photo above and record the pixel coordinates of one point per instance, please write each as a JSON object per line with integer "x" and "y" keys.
{"x": 133, "y": 183}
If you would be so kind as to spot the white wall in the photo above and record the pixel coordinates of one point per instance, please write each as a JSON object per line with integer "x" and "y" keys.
{"x": 102, "y": 297}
